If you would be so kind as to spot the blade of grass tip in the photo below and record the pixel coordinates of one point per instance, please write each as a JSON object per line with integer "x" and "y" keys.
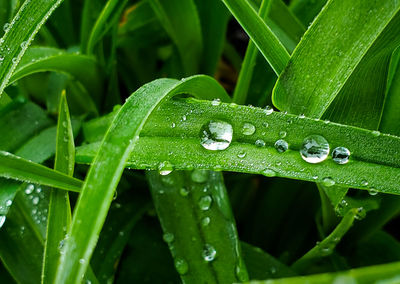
{"x": 59, "y": 213}
{"x": 104, "y": 174}
{"x": 20, "y": 33}
{"x": 262, "y": 36}
{"x": 327, "y": 245}
{"x": 15, "y": 167}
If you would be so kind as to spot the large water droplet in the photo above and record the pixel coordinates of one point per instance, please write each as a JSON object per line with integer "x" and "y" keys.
{"x": 315, "y": 149}
{"x": 165, "y": 168}
{"x": 216, "y": 135}
{"x": 248, "y": 129}
{"x": 268, "y": 110}
{"x": 181, "y": 266}
{"x": 328, "y": 181}
{"x": 205, "y": 202}
{"x": 209, "y": 253}
{"x": 340, "y": 155}
{"x": 260, "y": 143}
{"x": 168, "y": 237}
{"x": 281, "y": 145}
{"x": 199, "y": 176}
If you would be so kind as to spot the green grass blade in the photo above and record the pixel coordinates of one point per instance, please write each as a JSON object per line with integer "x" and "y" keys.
{"x": 195, "y": 205}
{"x": 260, "y": 33}
{"x": 33, "y": 14}
{"x": 117, "y": 145}
{"x": 181, "y": 21}
{"x": 351, "y": 53}
{"x": 15, "y": 167}
{"x": 59, "y": 216}
{"x": 386, "y": 273}
{"x": 371, "y": 153}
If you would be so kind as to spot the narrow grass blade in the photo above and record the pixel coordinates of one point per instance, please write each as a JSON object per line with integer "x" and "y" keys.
{"x": 14, "y": 167}
{"x": 194, "y": 205}
{"x": 59, "y": 216}
{"x": 262, "y": 36}
{"x": 371, "y": 152}
{"x": 32, "y": 14}
{"x": 350, "y": 53}
{"x": 181, "y": 21}
{"x": 116, "y": 147}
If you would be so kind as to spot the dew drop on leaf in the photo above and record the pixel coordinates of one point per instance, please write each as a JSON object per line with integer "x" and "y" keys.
{"x": 327, "y": 181}
{"x": 205, "y": 221}
{"x": 315, "y": 149}
{"x": 181, "y": 266}
{"x": 241, "y": 154}
{"x": 205, "y": 202}
{"x": 248, "y": 129}
{"x": 183, "y": 192}
{"x": 209, "y": 253}
{"x": 216, "y": 135}
{"x": 268, "y": 110}
{"x": 199, "y": 176}
{"x": 269, "y": 172}
{"x": 168, "y": 237}
{"x": 2, "y": 220}
{"x": 372, "y": 191}
{"x": 29, "y": 189}
{"x": 165, "y": 168}
{"x": 216, "y": 102}
{"x": 281, "y": 145}
{"x": 282, "y": 134}
{"x": 260, "y": 143}
{"x": 340, "y": 155}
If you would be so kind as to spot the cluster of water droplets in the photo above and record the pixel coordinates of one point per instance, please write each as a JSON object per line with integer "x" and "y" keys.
{"x": 35, "y": 194}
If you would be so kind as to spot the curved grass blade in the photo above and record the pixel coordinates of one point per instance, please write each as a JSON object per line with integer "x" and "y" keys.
{"x": 373, "y": 157}
{"x": 181, "y": 21}
{"x": 20, "y": 33}
{"x": 15, "y": 167}
{"x": 350, "y": 51}
{"x": 114, "y": 152}
{"x": 386, "y": 273}
{"x": 197, "y": 221}
{"x": 260, "y": 33}
{"x": 59, "y": 216}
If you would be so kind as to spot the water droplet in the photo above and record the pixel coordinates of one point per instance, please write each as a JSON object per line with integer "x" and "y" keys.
{"x": 8, "y": 203}
{"x": 181, "y": 266}
{"x": 364, "y": 182}
{"x": 165, "y": 168}
{"x": 14, "y": 60}
{"x": 376, "y": 133}
{"x": 2, "y": 220}
{"x": 6, "y": 27}
{"x": 216, "y": 135}
{"x": 24, "y": 44}
{"x": 315, "y": 149}
{"x": 302, "y": 115}
{"x": 326, "y": 250}
{"x": 266, "y": 124}
{"x": 248, "y": 129}
{"x": 184, "y": 192}
{"x": 360, "y": 214}
{"x": 205, "y": 221}
{"x": 282, "y": 134}
{"x": 216, "y": 102}
{"x": 241, "y": 154}
{"x": 168, "y": 237}
{"x": 29, "y": 189}
{"x": 199, "y": 176}
{"x": 184, "y": 118}
{"x": 268, "y": 110}
{"x": 281, "y": 146}
{"x": 81, "y": 261}
{"x": 328, "y": 182}
{"x": 269, "y": 172}
{"x": 209, "y": 253}
{"x": 340, "y": 155}
{"x": 173, "y": 125}
{"x": 372, "y": 191}
{"x": 260, "y": 143}
{"x": 205, "y": 202}
{"x": 35, "y": 200}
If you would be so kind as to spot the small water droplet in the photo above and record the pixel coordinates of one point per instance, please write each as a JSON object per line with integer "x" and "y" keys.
{"x": 269, "y": 172}
{"x": 266, "y": 124}
{"x": 315, "y": 149}
{"x": 29, "y": 189}
{"x": 6, "y": 27}
{"x": 241, "y": 154}
{"x": 209, "y": 253}
{"x": 173, "y": 125}
{"x": 81, "y": 261}
{"x": 35, "y": 200}
{"x": 181, "y": 266}
{"x": 302, "y": 115}
{"x": 216, "y": 135}
{"x": 184, "y": 192}
{"x": 205, "y": 202}
{"x": 281, "y": 145}
{"x": 364, "y": 182}
{"x": 205, "y": 221}
{"x": 2, "y": 220}
{"x": 373, "y": 191}
{"x": 168, "y": 237}
{"x": 376, "y": 133}
{"x": 184, "y": 118}
{"x": 8, "y": 203}
{"x": 216, "y": 102}
{"x": 199, "y": 176}
{"x": 268, "y": 110}
{"x": 24, "y": 44}
{"x": 341, "y": 155}
{"x": 260, "y": 143}
{"x": 165, "y": 168}
{"x": 282, "y": 134}
{"x": 361, "y": 213}
{"x": 327, "y": 181}
{"x": 14, "y": 60}
{"x": 248, "y": 129}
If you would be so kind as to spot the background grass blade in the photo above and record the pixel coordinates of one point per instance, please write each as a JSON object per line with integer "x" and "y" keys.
{"x": 59, "y": 216}
{"x": 33, "y": 14}
{"x": 366, "y": 159}
{"x": 353, "y": 49}
{"x": 262, "y": 36}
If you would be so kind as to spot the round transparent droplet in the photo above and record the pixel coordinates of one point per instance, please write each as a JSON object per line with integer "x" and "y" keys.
{"x": 29, "y": 189}
{"x": 315, "y": 149}
{"x": 35, "y": 200}
{"x": 364, "y": 182}
{"x": 205, "y": 221}
{"x": 81, "y": 261}
{"x": 173, "y": 125}
{"x": 341, "y": 155}
{"x": 376, "y": 133}
{"x": 216, "y": 102}
{"x": 205, "y": 202}
{"x": 200, "y": 176}
{"x": 165, "y": 168}
{"x": 181, "y": 266}
{"x": 327, "y": 181}
{"x": 168, "y": 237}
{"x": 248, "y": 129}
{"x": 8, "y": 203}
{"x": 216, "y": 135}
{"x": 260, "y": 143}
{"x": 2, "y": 220}
{"x": 268, "y": 110}
{"x": 209, "y": 253}
{"x": 184, "y": 192}
{"x": 281, "y": 146}
{"x": 361, "y": 213}
{"x": 282, "y": 134}
{"x": 241, "y": 154}
{"x": 372, "y": 191}
{"x": 269, "y": 172}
